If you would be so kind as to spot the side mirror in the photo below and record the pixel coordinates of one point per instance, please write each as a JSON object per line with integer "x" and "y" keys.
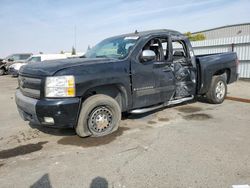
{"x": 148, "y": 55}
{"x": 179, "y": 54}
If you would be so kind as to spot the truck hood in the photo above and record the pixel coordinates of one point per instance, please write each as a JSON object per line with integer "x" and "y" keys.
{"x": 49, "y": 68}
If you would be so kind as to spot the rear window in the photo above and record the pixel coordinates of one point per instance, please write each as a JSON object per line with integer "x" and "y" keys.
{"x": 179, "y": 46}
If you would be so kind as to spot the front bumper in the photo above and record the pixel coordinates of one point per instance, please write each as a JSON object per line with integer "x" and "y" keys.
{"x": 63, "y": 111}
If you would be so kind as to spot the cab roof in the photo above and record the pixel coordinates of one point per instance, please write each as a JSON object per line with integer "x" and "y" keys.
{"x": 152, "y": 32}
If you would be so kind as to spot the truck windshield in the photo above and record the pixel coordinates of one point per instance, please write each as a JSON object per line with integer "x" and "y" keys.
{"x": 117, "y": 48}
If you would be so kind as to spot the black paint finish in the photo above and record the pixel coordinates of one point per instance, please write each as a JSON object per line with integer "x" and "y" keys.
{"x": 131, "y": 83}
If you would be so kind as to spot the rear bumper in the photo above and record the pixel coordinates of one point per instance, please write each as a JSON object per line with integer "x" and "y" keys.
{"x": 63, "y": 111}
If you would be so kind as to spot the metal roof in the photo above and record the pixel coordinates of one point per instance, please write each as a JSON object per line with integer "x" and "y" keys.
{"x": 222, "y": 27}
{"x": 151, "y": 32}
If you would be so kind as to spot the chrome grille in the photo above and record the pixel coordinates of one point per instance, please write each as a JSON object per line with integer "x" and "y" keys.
{"x": 30, "y": 87}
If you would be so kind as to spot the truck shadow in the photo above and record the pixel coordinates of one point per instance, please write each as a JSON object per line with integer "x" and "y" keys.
{"x": 201, "y": 99}
{"x": 92, "y": 141}
{"x": 54, "y": 131}
{"x": 125, "y": 116}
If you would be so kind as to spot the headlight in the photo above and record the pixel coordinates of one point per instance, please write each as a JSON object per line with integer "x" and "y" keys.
{"x": 60, "y": 86}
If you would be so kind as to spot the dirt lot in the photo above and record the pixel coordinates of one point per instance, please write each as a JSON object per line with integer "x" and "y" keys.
{"x": 191, "y": 145}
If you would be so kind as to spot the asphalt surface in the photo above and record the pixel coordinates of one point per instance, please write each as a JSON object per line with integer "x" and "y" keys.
{"x": 190, "y": 145}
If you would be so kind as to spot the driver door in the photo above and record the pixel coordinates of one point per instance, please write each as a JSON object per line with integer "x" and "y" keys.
{"x": 152, "y": 80}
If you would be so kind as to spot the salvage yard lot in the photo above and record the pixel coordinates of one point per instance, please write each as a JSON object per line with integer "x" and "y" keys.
{"x": 190, "y": 145}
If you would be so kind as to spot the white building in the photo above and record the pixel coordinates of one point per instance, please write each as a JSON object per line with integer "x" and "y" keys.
{"x": 226, "y": 31}
{"x": 226, "y": 39}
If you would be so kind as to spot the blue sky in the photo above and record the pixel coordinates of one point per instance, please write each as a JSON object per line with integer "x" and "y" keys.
{"x": 48, "y": 25}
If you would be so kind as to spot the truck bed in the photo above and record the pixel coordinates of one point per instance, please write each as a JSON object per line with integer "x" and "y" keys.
{"x": 213, "y": 64}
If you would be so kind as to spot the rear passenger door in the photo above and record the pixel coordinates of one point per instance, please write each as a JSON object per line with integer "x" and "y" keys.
{"x": 182, "y": 63}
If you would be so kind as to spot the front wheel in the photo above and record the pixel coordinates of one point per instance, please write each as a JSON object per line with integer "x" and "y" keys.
{"x": 100, "y": 115}
{"x": 218, "y": 90}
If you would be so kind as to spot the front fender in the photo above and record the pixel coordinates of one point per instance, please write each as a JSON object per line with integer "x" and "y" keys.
{"x": 118, "y": 91}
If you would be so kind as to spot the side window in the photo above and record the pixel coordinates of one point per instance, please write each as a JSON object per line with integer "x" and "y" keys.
{"x": 179, "y": 50}
{"x": 165, "y": 47}
{"x": 160, "y": 48}
{"x": 34, "y": 59}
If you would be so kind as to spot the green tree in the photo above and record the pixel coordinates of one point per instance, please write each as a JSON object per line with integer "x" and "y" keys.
{"x": 196, "y": 37}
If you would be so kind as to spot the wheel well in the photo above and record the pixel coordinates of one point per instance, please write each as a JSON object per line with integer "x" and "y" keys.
{"x": 117, "y": 92}
{"x": 227, "y": 73}
{"x": 3, "y": 68}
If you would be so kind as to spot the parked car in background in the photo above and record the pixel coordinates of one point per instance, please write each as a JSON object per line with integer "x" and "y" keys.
{"x": 1, "y": 64}
{"x": 14, "y": 68}
{"x": 11, "y": 59}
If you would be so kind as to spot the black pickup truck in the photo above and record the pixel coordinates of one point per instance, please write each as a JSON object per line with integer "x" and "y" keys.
{"x": 132, "y": 73}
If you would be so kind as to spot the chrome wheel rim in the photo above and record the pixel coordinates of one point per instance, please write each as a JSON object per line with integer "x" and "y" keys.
{"x": 220, "y": 90}
{"x": 100, "y": 120}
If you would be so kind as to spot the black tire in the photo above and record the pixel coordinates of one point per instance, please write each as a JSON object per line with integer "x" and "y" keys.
{"x": 2, "y": 71}
{"x": 218, "y": 90}
{"x": 99, "y": 116}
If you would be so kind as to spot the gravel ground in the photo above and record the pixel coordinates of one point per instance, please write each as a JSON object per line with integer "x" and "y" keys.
{"x": 190, "y": 145}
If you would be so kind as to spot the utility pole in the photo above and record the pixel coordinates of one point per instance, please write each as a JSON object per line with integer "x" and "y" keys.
{"x": 75, "y": 36}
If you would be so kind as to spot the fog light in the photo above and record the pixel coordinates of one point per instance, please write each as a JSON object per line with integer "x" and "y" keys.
{"x": 49, "y": 120}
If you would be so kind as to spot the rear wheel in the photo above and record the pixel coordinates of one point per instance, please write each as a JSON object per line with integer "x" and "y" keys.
{"x": 218, "y": 90}
{"x": 100, "y": 115}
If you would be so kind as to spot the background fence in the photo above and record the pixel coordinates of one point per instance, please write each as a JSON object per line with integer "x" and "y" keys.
{"x": 240, "y": 45}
